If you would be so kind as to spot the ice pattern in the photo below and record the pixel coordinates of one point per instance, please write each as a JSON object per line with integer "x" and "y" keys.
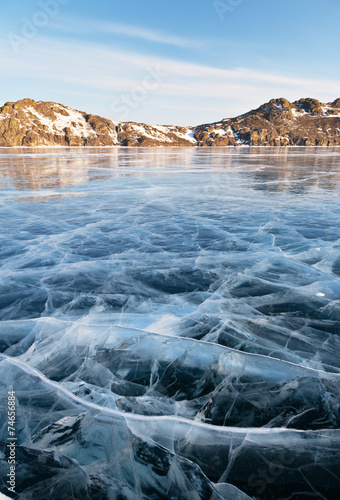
{"x": 169, "y": 322}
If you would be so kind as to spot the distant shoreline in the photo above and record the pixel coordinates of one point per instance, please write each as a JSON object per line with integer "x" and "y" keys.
{"x": 278, "y": 123}
{"x": 165, "y": 148}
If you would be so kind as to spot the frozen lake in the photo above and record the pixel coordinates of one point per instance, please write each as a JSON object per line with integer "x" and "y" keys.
{"x": 170, "y": 320}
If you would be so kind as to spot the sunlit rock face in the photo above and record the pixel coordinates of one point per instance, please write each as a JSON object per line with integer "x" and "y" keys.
{"x": 306, "y": 122}
{"x": 169, "y": 322}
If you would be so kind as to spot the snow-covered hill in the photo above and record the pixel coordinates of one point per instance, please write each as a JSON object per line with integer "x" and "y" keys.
{"x": 306, "y": 122}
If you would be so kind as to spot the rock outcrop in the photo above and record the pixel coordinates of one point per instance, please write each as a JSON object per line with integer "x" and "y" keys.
{"x": 306, "y": 122}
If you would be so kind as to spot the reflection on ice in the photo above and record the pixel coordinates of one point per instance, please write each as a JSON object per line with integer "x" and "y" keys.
{"x": 170, "y": 322}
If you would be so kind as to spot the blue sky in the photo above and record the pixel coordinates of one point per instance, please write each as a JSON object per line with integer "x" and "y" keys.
{"x": 180, "y": 62}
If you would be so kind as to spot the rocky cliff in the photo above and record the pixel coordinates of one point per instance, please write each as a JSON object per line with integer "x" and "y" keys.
{"x": 306, "y": 122}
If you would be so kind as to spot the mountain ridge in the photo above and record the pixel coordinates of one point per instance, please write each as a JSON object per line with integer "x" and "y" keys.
{"x": 306, "y": 122}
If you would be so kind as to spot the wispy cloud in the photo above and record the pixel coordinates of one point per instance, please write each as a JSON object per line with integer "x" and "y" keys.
{"x": 150, "y": 35}
{"x": 142, "y": 33}
{"x": 98, "y": 69}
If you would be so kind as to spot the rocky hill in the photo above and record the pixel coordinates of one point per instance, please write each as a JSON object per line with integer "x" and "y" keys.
{"x": 306, "y": 122}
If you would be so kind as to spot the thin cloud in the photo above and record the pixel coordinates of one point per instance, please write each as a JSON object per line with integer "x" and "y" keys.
{"x": 98, "y": 69}
{"x": 139, "y": 32}
{"x": 150, "y": 35}
{"x": 100, "y": 66}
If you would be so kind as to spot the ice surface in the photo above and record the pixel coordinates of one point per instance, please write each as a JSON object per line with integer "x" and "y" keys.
{"x": 170, "y": 322}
